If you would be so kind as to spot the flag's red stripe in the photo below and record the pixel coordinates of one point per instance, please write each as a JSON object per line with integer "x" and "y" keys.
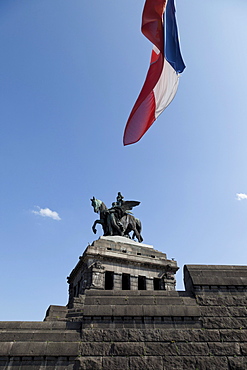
{"x": 143, "y": 113}
{"x": 152, "y": 23}
{"x": 138, "y": 123}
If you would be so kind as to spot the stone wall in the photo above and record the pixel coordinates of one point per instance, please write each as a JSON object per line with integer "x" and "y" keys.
{"x": 203, "y": 327}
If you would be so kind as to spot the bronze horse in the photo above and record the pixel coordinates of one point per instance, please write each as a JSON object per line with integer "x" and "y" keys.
{"x": 115, "y": 221}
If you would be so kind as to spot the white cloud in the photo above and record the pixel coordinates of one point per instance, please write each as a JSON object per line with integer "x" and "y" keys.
{"x": 241, "y": 196}
{"x": 46, "y": 212}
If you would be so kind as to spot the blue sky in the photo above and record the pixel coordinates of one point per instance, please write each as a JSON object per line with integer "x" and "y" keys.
{"x": 70, "y": 72}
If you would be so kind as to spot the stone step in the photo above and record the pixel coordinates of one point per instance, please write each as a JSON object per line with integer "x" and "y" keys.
{"x": 99, "y": 292}
{"x": 138, "y": 300}
{"x": 44, "y": 348}
{"x": 142, "y": 310}
{"x": 39, "y": 335}
{"x": 39, "y": 325}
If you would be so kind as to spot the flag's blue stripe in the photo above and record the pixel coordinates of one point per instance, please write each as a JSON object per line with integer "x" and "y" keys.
{"x": 172, "y": 48}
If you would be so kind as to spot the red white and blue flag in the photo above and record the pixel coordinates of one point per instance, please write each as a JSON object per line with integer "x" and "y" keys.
{"x": 160, "y": 27}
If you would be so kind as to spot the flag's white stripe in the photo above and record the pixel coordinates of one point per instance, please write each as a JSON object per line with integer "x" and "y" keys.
{"x": 166, "y": 88}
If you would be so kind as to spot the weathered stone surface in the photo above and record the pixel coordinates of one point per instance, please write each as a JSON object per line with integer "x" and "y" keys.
{"x": 94, "y": 349}
{"x": 197, "y": 349}
{"x": 146, "y": 362}
{"x": 115, "y": 363}
{"x": 237, "y": 363}
{"x": 233, "y": 335}
{"x": 65, "y": 348}
{"x": 161, "y": 349}
{"x": 28, "y": 349}
{"x": 126, "y": 349}
{"x": 88, "y": 363}
{"x": 213, "y": 311}
{"x": 173, "y": 362}
{"x": 243, "y": 349}
{"x": 237, "y": 311}
{"x": 224, "y": 322}
{"x": 224, "y": 349}
{"x": 229, "y": 299}
{"x": 211, "y": 363}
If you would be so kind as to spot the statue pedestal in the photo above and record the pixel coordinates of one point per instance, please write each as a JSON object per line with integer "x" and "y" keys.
{"x": 119, "y": 263}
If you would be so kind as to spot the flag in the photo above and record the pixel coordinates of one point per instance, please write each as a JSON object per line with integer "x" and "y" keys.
{"x": 160, "y": 27}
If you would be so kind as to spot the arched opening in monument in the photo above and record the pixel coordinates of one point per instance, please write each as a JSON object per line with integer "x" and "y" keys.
{"x": 109, "y": 280}
{"x": 142, "y": 282}
{"x": 126, "y": 282}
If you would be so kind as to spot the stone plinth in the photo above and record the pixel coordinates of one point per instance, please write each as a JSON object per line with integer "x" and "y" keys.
{"x": 118, "y": 263}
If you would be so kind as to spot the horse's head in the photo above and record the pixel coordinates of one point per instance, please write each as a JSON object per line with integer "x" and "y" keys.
{"x": 96, "y": 204}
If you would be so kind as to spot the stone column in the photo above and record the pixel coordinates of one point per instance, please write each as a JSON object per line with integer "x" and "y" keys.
{"x": 133, "y": 282}
{"x": 117, "y": 281}
{"x": 150, "y": 284}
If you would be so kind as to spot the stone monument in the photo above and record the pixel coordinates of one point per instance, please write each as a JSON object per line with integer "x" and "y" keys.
{"x": 123, "y": 311}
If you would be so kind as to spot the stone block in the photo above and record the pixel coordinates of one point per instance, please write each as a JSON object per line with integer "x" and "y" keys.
{"x": 99, "y": 310}
{"x": 222, "y": 299}
{"x": 73, "y": 325}
{"x": 170, "y": 335}
{"x": 173, "y": 363}
{"x": 224, "y": 349}
{"x": 115, "y": 363}
{"x": 165, "y": 310}
{"x": 72, "y": 336}
{"x": 94, "y": 349}
{"x": 224, "y": 322}
{"x": 140, "y": 300}
{"x": 233, "y": 335}
{"x": 28, "y": 349}
{"x": 89, "y": 335}
{"x": 146, "y": 362}
{"x": 168, "y": 300}
{"x": 237, "y": 311}
{"x": 11, "y": 336}
{"x": 182, "y": 335}
{"x": 219, "y": 311}
{"x": 105, "y": 300}
{"x": 211, "y": 362}
{"x": 88, "y": 363}
{"x": 161, "y": 349}
{"x": 126, "y": 349}
{"x": 46, "y": 336}
{"x": 188, "y": 362}
{"x": 127, "y": 310}
{"x": 192, "y": 349}
{"x": 212, "y": 299}
{"x": 203, "y": 335}
{"x": 155, "y": 335}
{"x": 64, "y": 348}
{"x": 237, "y": 363}
{"x": 243, "y": 349}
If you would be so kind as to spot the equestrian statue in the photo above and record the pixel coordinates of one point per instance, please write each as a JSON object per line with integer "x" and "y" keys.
{"x": 118, "y": 219}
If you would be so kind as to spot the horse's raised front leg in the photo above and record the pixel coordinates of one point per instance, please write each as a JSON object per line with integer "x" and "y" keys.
{"x": 94, "y": 225}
